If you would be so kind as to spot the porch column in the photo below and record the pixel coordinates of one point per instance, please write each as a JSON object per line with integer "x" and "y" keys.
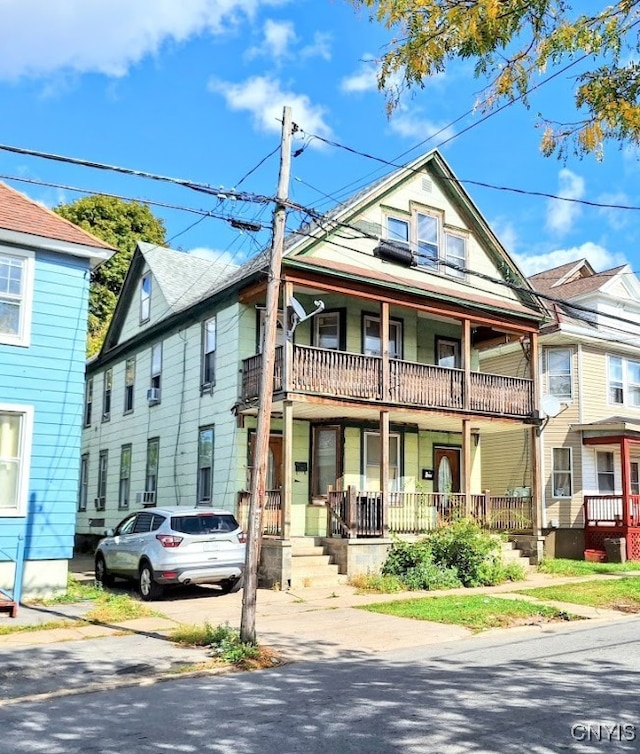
{"x": 466, "y": 363}
{"x": 384, "y": 350}
{"x": 384, "y": 470}
{"x": 287, "y": 350}
{"x": 287, "y": 470}
{"x": 466, "y": 465}
{"x": 626, "y": 480}
{"x": 536, "y": 481}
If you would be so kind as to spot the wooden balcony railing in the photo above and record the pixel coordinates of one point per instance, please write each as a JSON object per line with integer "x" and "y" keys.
{"x": 340, "y": 374}
{"x": 355, "y": 514}
{"x": 607, "y": 510}
{"x": 271, "y": 516}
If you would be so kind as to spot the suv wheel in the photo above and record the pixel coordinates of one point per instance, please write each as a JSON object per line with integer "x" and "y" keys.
{"x": 149, "y": 589}
{"x": 103, "y": 577}
{"x": 231, "y": 586}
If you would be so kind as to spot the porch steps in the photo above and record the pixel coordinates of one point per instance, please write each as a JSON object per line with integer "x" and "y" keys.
{"x": 511, "y": 554}
{"x": 530, "y": 546}
{"x": 310, "y": 566}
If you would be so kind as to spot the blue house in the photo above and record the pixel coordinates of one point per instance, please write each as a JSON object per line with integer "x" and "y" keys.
{"x": 45, "y": 265}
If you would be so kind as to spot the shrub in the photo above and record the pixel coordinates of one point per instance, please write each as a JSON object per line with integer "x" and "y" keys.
{"x": 405, "y": 555}
{"x": 431, "y": 576}
{"x": 463, "y": 545}
{"x": 377, "y": 582}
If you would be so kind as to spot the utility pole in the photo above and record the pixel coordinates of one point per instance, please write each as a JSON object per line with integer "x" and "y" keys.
{"x": 261, "y": 449}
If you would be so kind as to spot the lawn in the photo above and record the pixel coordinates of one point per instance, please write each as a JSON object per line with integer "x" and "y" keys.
{"x": 615, "y": 594}
{"x": 562, "y": 567}
{"x": 478, "y": 612}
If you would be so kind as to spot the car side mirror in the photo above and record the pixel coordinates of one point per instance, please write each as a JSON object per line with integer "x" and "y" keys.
{"x": 108, "y": 532}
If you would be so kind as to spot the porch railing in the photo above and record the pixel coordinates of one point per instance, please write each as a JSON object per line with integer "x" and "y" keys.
{"x": 606, "y": 510}
{"x": 325, "y": 372}
{"x": 360, "y": 514}
{"x": 271, "y": 516}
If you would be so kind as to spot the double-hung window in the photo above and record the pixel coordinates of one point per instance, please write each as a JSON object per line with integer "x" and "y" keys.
{"x": 561, "y": 474}
{"x": 83, "y": 483}
{"x": 328, "y": 332}
{"x": 101, "y": 492}
{"x": 145, "y": 298}
{"x": 433, "y": 245}
{"x": 125, "y": 477}
{"x": 16, "y": 293}
{"x": 372, "y": 345}
{"x": 156, "y": 373}
{"x": 16, "y": 427}
{"x": 129, "y": 384}
{"x": 106, "y": 395}
{"x": 559, "y": 377}
{"x": 372, "y": 461}
{"x": 208, "y": 377}
{"x": 88, "y": 402}
{"x": 623, "y": 381}
{"x": 151, "y": 475}
{"x": 205, "y": 465}
{"x": 605, "y": 470}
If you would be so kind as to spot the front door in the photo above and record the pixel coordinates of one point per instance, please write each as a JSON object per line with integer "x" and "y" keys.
{"x": 446, "y": 477}
{"x": 274, "y": 461}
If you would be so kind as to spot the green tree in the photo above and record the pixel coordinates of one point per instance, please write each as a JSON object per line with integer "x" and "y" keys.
{"x": 515, "y": 44}
{"x": 121, "y": 224}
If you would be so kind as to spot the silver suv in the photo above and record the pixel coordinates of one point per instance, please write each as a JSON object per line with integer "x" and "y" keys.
{"x": 173, "y": 546}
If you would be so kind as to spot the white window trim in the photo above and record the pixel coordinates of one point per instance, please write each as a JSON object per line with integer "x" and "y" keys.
{"x": 564, "y": 398}
{"x": 395, "y": 436}
{"x": 145, "y": 299}
{"x": 626, "y": 383}
{"x": 23, "y": 338}
{"x": 554, "y": 470}
{"x": 26, "y": 441}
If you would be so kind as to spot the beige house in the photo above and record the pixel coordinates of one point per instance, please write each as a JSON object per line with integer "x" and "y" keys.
{"x": 589, "y": 358}
{"x": 382, "y": 405}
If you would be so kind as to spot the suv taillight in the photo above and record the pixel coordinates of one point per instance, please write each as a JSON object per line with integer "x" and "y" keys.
{"x": 242, "y": 537}
{"x": 168, "y": 540}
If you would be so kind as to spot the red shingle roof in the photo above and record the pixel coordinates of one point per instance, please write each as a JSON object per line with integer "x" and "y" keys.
{"x": 22, "y": 215}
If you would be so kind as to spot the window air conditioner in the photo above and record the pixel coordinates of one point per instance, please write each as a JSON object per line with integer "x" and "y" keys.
{"x": 148, "y": 497}
{"x": 99, "y": 502}
{"x": 153, "y": 395}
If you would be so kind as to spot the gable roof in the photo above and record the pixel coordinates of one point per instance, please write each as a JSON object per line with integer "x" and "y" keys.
{"x": 19, "y": 214}
{"x": 571, "y": 280}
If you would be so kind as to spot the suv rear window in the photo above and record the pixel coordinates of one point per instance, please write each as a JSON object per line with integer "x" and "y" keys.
{"x": 204, "y": 523}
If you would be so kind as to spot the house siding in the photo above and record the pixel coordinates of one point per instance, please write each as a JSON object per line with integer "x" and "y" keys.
{"x": 49, "y": 376}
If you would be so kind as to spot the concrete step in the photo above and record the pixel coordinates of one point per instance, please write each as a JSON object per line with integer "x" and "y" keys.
{"x": 307, "y": 561}
{"x": 303, "y": 570}
{"x": 299, "y": 582}
{"x": 510, "y": 554}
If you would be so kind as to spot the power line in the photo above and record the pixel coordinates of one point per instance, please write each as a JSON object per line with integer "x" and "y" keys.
{"x": 253, "y": 169}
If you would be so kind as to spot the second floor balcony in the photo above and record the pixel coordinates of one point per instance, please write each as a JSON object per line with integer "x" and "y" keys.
{"x": 372, "y": 379}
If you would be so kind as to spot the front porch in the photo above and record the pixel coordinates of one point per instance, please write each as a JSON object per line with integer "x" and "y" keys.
{"x": 361, "y": 514}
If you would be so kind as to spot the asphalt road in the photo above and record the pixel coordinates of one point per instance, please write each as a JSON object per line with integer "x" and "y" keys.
{"x": 551, "y": 689}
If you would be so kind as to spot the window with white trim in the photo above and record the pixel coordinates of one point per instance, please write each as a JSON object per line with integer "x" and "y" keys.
{"x": 433, "y": 245}
{"x": 561, "y": 474}
{"x": 606, "y": 473}
{"x": 83, "y": 482}
{"x": 88, "y": 401}
{"x": 106, "y": 395}
{"x": 151, "y": 474}
{"x": 156, "y": 365}
{"x": 16, "y": 296}
{"x": 129, "y": 384}
{"x": 205, "y": 465}
{"x": 208, "y": 377}
{"x": 145, "y": 298}
{"x": 623, "y": 381}
{"x": 101, "y": 492}
{"x": 16, "y": 427}
{"x": 327, "y": 331}
{"x": 372, "y": 461}
{"x": 125, "y": 477}
{"x": 559, "y": 375}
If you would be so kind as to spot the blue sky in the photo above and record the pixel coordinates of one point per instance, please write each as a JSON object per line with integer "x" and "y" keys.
{"x": 194, "y": 89}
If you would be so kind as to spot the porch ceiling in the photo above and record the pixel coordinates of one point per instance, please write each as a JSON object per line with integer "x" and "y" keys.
{"x": 433, "y": 421}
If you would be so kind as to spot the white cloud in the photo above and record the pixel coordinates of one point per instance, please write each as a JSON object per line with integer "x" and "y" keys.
{"x": 615, "y": 218}
{"x": 562, "y": 215}
{"x": 264, "y": 98}
{"x": 39, "y": 38}
{"x": 278, "y": 37}
{"x": 365, "y": 79}
{"x": 506, "y": 233}
{"x": 411, "y": 126}
{"x": 599, "y": 258}
{"x": 319, "y": 48}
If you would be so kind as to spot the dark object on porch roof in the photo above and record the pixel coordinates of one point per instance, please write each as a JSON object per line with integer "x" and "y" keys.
{"x": 616, "y": 548}
{"x": 395, "y": 251}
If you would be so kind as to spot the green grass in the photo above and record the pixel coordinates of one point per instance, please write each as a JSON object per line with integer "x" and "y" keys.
{"x": 562, "y": 567}
{"x": 48, "y": 626}
{"x": 224, "y": 645}
{"x": 616, "y": 594}
{"x": 478, "y": 612}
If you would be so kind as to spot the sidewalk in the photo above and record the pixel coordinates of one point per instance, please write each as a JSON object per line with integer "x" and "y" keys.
{"x": 307, "y": 624}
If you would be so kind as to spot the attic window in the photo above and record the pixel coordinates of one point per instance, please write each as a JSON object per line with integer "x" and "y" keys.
{"x": 145, "y": 298}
